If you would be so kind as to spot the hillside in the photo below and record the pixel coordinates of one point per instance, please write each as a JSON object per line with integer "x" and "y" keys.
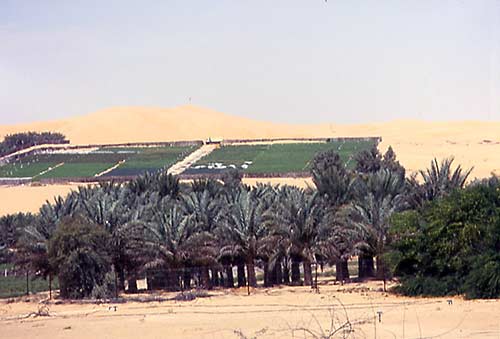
{"x": 472, "y": 143}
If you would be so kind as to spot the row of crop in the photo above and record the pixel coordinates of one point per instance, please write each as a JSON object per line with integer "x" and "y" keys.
{"x": 376, "y": 140}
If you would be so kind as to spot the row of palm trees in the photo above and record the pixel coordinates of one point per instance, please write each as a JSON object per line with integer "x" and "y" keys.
{"x": 178, "y": 234}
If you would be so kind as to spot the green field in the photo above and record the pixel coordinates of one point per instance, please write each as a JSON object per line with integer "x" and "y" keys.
{"x": 267, "y": 158}
{"x": 137, "y": 161}
{"x": 14, "y": 286}
{"x": 280, "y": 158}
{"x": 142, "y": 160}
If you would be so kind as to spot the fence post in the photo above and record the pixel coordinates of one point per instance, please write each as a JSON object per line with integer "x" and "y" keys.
{"x": 27, "y": 282}
{"x": 116, "y": 285}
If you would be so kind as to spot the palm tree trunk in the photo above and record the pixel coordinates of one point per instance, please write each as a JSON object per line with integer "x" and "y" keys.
{"x": 205, "y": 277}
{"x": 252, "y": 280}
{"x": 121, "y": 278}
{"x": 278, "y": 273}
{"x": 187, "y": 278}
{"x": 241, "y": 275}
{"x": 295, "y": 270}
{"x": 341, "y": 271}
{"x": 229, "y": 276}
{"x": 286, "y": 273}
{"x": 222, "y": 280}
{"x": 381, "y": 269}
{"x": 307, "y": 272}
{"x": 267, "y": 275}
{"x": 172, "y": 280}
{"x": 215, "y": 277}
{"x": 132, "y": 284}
{"x": 365, "y": 266}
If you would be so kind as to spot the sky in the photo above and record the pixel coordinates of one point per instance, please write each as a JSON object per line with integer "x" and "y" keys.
{"x": 299, "y": 61}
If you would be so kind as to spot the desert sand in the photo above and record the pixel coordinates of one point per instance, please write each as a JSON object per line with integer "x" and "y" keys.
{"x": 416, "y": 143}
{"x": 28, "y": 198}
{"x": 266, "y": 313}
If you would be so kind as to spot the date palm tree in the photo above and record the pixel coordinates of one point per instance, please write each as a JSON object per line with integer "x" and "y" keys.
{"x": 244, "y": 228}
{"x": 296, "y": 220}
{"x": 381, "y": 195}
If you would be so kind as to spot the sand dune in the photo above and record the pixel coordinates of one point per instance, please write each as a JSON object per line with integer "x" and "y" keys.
{"x": 27, "y": 198}
{"x": 473, "y": 143}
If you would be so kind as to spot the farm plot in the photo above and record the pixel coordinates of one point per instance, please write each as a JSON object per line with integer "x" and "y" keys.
{"x": 31, "y": 166}
{"x": 131, "y": 160}
{"x": 141, "y": 160}
{"x": 275, "y": 158}
{"x": 83, "y": 165}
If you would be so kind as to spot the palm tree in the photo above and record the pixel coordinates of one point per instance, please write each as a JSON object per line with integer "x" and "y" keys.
{"x": 296, "y": 220}
{"x": 337, "y": 187}
{"x": 441, "y": 179}
{"x": 381, "y": 195}
{"x": 205, "y": 213}
{"x": 106, "y": 207}
{"x": 176, "y": 244}
{"x": 244, "y": 228}
{"x": 339, "y": 240}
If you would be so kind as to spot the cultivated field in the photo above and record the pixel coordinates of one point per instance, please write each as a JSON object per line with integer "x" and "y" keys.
{"x": 279, "y": 312}
{"x": 129, "y": 161}
{"x": 275, "y": 157}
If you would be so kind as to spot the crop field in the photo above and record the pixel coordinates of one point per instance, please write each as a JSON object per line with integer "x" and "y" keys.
{"x": 276, "y": 158}
{"x": 141, "y": 160}
{"x": 132, "y": 161}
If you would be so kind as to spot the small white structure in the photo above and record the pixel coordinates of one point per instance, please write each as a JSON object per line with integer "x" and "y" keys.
{"x": 214, "y": 140}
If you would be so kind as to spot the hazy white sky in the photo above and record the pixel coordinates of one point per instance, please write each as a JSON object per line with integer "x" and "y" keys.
{"x": 340, "y": 61}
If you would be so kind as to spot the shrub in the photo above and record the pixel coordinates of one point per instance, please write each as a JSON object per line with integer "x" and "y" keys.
{"x": 78, "y": 254}
{"x": 484, "y": 279}
{"x": 106, "y": 290}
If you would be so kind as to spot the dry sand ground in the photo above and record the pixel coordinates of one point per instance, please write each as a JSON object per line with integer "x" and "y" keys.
{"x": 267, "y": 313}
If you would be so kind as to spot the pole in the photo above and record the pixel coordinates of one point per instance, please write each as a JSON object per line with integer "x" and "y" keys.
{"x": 27, "y": 282}
{"x": 116, "y": 286}
{"x": 316, "y": 277}
{"x": 248, "y": 281}
{"x": 50, "y": 286}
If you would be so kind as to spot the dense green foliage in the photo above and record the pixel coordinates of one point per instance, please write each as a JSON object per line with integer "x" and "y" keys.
{"x": 451, "y": 245}
{"x": 78, "y": 252}
{"x": 16, "y": 142}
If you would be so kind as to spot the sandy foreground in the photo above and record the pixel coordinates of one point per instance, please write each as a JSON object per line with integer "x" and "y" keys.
{"x": 282, "y": 312}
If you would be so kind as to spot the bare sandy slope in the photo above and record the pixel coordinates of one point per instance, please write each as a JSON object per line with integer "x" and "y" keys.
{"x": 28, "y": 198}
{"x": 267, "y": 313}
{"x": 415, "y": 142}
